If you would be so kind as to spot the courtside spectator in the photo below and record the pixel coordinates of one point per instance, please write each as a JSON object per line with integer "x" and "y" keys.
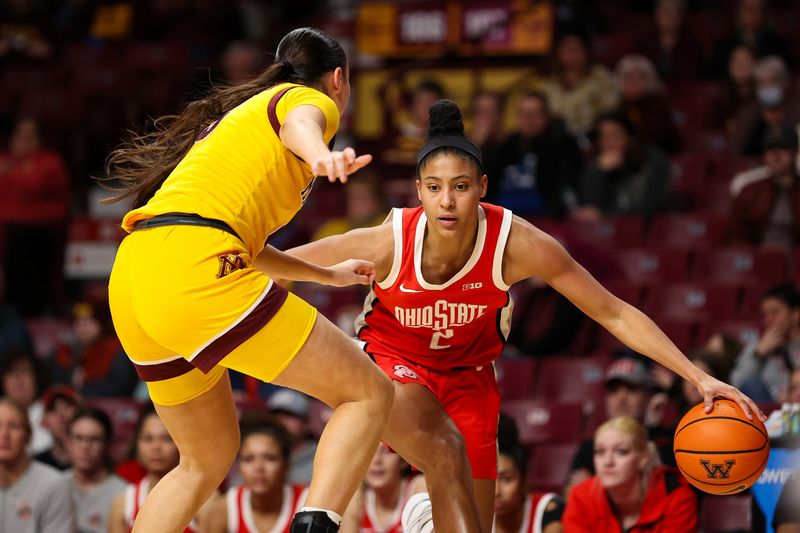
{"x": 293, "y": 410}
{"x": 23, "y": 380}
{"x": 486, "y": 120}
{"x": 61, "y": 402}
{"x": 736, "y": 91}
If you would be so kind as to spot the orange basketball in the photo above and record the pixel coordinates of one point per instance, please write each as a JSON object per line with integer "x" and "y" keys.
{"x": 721, "y": 452}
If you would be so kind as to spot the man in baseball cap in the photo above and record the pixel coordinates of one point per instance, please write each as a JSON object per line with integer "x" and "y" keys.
{"x": 293, "y": 410}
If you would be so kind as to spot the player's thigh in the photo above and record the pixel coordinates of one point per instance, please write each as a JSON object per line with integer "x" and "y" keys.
{"x": 331, "y": 367}
{"x": 419, "y": 428}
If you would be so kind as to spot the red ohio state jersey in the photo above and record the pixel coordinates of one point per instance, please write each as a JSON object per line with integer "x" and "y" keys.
{"x": 461, "y": 323}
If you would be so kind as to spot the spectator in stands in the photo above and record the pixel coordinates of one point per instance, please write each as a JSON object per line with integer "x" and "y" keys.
{"x": 776, "y": 103}
{"x": 766, "y": 204}
{"x": 24, "y": 31}
{"x": 23, "y": 380}
{"x": 737, "y": 90}
{"x": 364, "y": 206}
{"x": 787, "y": 512}
{"x": 34, "y": 498}
{"x": 711, "y": 364}
{"x": 579, "y": 90}
{"x": 292, "y": 409}
{"x": 157, "y": 453}
{"x": 675, "y": 52}
{"x": 93, "y": 484}
{"x": 404, "y": 139}
{"x": 793, "y": 392}
{"x": 726, "y": 349}
{"x": 386, "y": 489}
{"x": 644, "y": 103}
{"x": 91, "y": 358}
{"x": 629, "y": 391}
{"x": 515, "y": 509}
{"x": 752, "y": 29}
{"x": 629, "y": 493}
{"x": 763, "y": 368}
{"x": 34, "y": 204}
{"x": 534, "y": 170}
{"x": 60, "y": 405}
{"x": 14, "y": 335}
{"x": 486, "y": 130}
{"x": 625, "y": 175}
{"x": 265, "y": 501}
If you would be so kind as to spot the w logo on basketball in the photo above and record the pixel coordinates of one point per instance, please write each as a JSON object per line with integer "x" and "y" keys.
{"x": 229, "y": 263}
{"x": 716, "y": 471}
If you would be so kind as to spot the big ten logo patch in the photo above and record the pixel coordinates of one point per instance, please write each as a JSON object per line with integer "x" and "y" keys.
{"x": 718, "y": 471}
{"x": 230, "y": 262}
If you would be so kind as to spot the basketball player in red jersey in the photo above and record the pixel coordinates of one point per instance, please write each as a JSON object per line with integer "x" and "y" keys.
{"x": 438, "y": 315}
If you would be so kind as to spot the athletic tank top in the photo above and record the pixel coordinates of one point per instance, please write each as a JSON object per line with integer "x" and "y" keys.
{"x": 535, "y": 504}
{"x": 369, "y": 514}
{"x": 463, "y": 322}
{"x": 239, "y": 171}
{"x": 134, "y": 498}
{"x": 240, "y": 510}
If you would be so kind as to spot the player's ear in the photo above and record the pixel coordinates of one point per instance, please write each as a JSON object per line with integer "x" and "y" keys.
{"x": 338, "y": 78}
{"x": 419, "y": 189}
{"x": 483, "y": 182}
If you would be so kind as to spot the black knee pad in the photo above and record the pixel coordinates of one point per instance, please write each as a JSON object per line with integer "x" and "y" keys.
{"x": 313, "y": 522}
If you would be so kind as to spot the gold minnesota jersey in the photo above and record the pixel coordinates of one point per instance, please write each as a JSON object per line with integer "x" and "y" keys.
{"x": 239, "y": 171}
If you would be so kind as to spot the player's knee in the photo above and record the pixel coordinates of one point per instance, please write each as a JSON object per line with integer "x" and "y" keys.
{"x": 448, "y": 453}
{"x": 215, "y": 458}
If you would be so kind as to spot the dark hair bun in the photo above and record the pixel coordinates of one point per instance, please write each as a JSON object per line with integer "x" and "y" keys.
{"x": 445, "y": 119}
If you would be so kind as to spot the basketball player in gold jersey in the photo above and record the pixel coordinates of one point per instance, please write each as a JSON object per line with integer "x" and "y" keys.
{"x": 189, "y": 298}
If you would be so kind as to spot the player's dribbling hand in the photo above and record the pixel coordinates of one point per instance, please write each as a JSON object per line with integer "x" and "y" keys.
{"x": 338, "y": 165}
{"x": 711, "y": 388}
{"x": 351, "y": 272}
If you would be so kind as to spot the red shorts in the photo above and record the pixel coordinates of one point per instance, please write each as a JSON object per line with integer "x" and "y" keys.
{"x": 469, "y": 396}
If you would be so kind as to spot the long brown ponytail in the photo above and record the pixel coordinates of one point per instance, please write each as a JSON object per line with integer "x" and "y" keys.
{"x": 141, "y": 164}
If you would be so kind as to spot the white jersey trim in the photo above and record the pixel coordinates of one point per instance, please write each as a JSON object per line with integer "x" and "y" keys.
{"x": 397, "y": 260}
{"x": 419, "y": 239}
{"x": 231, "y": 501}
{"x": 372, "y": 512}
{"x": 500, "y": 249}
{"x": 544, "y": 501}
{"x": 232, "y": 324}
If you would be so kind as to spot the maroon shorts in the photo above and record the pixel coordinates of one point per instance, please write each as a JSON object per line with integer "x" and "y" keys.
{"x": 469, "y": 396}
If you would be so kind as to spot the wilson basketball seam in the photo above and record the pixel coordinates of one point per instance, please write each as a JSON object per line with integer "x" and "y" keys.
{"x": 722, "y": 418}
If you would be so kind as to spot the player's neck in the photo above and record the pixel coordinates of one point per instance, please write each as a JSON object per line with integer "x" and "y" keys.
{"x": 627, "y": 500}
{"x": 451, "y": 247}
{"x": 268, "y": 502}
{"x": 11, "y": 472}
{"x": 386, "y": 498}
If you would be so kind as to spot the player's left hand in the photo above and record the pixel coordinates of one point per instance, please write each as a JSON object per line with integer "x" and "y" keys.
{"x": 711, "y": 388}
{"x": 351, "y": 272}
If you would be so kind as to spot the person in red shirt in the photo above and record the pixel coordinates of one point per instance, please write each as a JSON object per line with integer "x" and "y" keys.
{"x": 628, "y": 494}
{"x": 438, "y": 316}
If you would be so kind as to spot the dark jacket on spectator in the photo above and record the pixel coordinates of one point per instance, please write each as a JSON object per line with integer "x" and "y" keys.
{"x": 652, "y": 119}
{"x": 752, "y": 211}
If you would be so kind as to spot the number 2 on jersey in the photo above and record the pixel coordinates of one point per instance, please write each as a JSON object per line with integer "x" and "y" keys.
{"x": 437, "y": 336}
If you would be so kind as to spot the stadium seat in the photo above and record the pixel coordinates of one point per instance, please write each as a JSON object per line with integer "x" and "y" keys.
{"x": 573, "y": 380}
{"x": 655, "y": 265}
{"x": 719, "y": 514}
{"x": 741, "y": 264}
{"x": 750, "y": 308}
{"x": 689, "y": 178}
{"x": 629, "y": 291}
{"x": 688, "y": 231}
{"x": 694, "y": 302}
{"x": 542, "y": 421}
{"x": 516, "y": 378}
{"x": 619, "y": 231}
{"x": 45, "y": 334}
{"x": 124, "y": 413}
{"x": 549, "y": 466}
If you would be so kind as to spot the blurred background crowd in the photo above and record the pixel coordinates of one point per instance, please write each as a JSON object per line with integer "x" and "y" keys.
{"x": 658, "y": 140}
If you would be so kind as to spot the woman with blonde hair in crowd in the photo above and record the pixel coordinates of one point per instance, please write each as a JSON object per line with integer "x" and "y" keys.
{"x": 628, "y": 492}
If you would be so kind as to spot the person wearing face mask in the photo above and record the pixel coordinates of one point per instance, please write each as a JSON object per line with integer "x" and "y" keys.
{"x": 766, "y": 205}
{"x": 628, "y": 494}
{"x": 776, "y": 103}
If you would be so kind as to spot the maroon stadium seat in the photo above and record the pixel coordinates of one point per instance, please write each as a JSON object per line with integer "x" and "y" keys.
{"x": 573, "y": 380}
{"x": 549, "y": 466}
{"x": 541, "y": 421}
{"x": 46, "y": 333}
{"x": 745, "y": 331}
{"x": 719, "y": 514}
{"x": 687, "y": 231}
{"x": 655, "y": 265}
{"x": 741, "y": 264}
{"x": 694, "y": 301}
{"x": 620, "y": 231}
{"x": 516, "y": 378}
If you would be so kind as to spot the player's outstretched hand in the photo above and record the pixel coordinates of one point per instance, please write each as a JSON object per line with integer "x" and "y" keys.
{"x": 338, "y": 165}
{"x": 351, "y": 272}
{"x": 711, "y": 388}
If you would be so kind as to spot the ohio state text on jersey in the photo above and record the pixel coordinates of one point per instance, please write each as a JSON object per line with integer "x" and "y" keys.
{"x": 460, "y": 323}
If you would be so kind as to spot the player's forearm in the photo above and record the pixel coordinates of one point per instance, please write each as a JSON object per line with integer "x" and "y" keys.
{"x": 279, "y": 265}
{"x": 640, "y": 333}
